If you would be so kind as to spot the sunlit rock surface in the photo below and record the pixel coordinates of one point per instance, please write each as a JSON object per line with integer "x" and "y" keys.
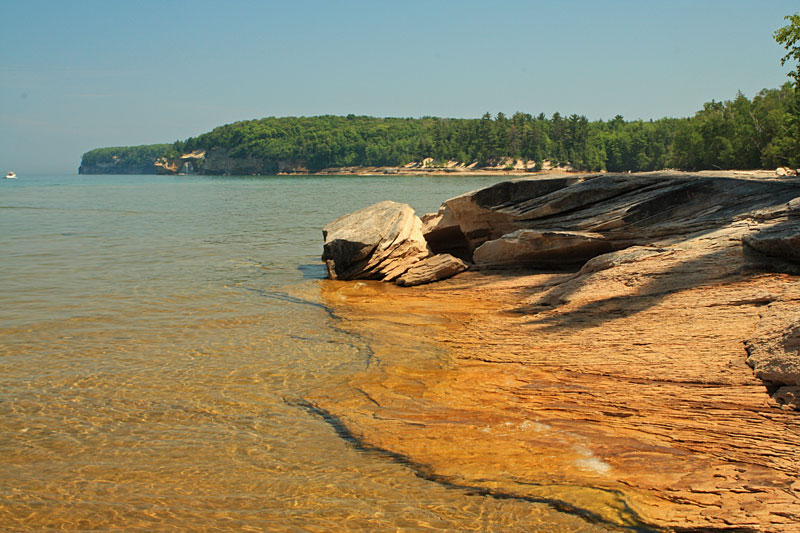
{"x": 618, "y": 391}
{"x": 434, "y": 268}
{"x": 625, "y": 209}
{"x": 774, "y": 350}
{"x": 380, "y": 242}
{"x": 526, "y": 248}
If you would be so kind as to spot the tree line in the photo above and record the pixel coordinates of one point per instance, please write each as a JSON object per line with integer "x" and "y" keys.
{"x": 739, "y": 133}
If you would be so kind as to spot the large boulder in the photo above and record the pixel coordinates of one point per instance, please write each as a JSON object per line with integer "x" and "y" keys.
{"x": 379, "y": 242}
{"x": 781, "y": 239}
{"x": 782, "y": 242}
{"x": 527, "y": 248}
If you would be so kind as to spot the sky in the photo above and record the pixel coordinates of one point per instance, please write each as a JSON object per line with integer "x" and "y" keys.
{"x": 84, "y": 74}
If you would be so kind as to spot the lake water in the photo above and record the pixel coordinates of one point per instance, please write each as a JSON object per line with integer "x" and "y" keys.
{"x": 155, "y": 336}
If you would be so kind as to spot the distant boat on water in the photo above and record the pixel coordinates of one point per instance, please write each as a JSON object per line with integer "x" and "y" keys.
{"x": 11, "y": 176}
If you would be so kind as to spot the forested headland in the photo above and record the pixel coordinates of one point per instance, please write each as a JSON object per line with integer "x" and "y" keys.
{"x": 741, "y": 133}
{"x": 123, "y": 159}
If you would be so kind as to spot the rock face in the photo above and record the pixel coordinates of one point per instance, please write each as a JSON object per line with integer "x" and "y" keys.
{"x": 434, "y": 268}
{"x": 525, "y": 247}
{"x": 781, "y": 241}
{"x": 117, "y": 167}
{"x": 378, "y": 242}
{"x": 621, "y": 209}
{"x": 219, "y": 161}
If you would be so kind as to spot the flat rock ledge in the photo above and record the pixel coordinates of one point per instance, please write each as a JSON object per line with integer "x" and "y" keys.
{"x": 652, "y": 381}
{"x": 526, "y": 247}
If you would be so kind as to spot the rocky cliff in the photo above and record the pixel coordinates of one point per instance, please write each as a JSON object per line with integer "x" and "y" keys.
{"x": 218, "y": 161}
{"x": 116, "y": 166}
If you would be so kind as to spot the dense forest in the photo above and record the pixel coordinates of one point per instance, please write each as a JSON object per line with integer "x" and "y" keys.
{"x": 739, "y": 133}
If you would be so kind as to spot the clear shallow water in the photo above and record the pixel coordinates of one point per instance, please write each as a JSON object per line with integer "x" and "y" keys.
{"x": 155, "y": 334}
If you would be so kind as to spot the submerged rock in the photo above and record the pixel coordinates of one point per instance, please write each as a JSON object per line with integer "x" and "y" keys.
{"x": 379, "y": 242}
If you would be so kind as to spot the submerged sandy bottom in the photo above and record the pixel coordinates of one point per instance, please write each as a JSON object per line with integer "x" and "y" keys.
{"x": 622, "y": 397}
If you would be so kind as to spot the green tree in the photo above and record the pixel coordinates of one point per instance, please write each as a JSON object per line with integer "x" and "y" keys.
{"x": 789, "y": 37}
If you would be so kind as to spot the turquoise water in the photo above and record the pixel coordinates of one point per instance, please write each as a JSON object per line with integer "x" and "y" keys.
{"x": 156, "y": 332}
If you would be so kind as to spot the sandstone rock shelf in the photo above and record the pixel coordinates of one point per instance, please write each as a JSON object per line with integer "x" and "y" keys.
{"x": 619, "y": 387}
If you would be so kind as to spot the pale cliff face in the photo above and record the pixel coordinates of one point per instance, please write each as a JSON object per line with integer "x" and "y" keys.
{"x": 219, "y": 161}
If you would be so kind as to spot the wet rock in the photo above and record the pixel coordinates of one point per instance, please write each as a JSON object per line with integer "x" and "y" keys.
{"x": 625, "y": 378}
{"x": 435, "y": 268}
{"x": 379, "y": 242}
{"x": 526, "y": 248}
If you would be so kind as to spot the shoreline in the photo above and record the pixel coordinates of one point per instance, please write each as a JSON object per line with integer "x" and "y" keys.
{"x": 620, "y": 421}
{"x": 619, "y": 388}
{"x": 393, "y": 171}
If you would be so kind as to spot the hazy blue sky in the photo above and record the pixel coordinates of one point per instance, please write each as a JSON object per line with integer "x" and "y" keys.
{"x": 89, "y": 73}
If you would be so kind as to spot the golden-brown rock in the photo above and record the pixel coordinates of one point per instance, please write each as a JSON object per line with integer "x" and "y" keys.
{"x": 619, "y": 392}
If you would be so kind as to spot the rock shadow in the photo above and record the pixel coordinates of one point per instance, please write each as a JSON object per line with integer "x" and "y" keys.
{"x": 717, "y": 266}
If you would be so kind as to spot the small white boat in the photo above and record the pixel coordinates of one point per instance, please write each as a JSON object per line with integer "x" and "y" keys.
{"x": 11, "y": 176}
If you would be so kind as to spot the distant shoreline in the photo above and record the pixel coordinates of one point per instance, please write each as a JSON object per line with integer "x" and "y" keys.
{"x": 438, "y": 171}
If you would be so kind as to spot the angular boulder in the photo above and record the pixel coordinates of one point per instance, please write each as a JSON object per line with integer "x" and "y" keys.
{"x": 781, "y": 241}
{"x": 526, "y": 248}
{"x": 774, "y": 349}
{"x": 435, "y": 268}
{"x": 378, "y": 242}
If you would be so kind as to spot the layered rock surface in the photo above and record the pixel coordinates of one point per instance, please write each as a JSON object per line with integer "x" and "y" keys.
{"x": 619, "y": 390}
{"x": 621, "y": 209}
{"x": 384, "y": 242}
